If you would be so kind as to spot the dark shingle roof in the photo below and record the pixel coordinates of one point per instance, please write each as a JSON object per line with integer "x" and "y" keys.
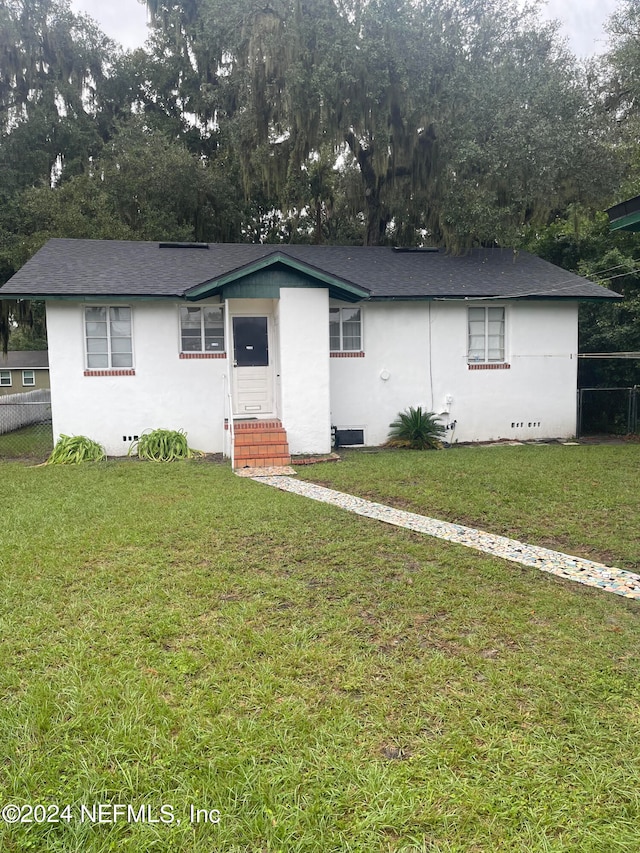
{"x": 82, "y": 268}
{"x": 24, "y": 359}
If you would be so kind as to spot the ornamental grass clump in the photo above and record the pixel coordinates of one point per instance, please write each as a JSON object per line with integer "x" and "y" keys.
{"x": 416, "y": 430}
{"x": 73, "y": 449}
{"x": 163, "y": 445}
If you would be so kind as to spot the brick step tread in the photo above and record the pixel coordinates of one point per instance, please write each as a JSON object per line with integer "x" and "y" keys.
{"x": 261, "y": 444}
{"x": 271, "y": 437}
{"x": 267, "y": 450}
{"x": 254, "y": 433}
{"x": 256, "y": 426}
{"x": 266, "y": 462}
{"x": 282, "y": 442}
{"x": 263, "y": 450}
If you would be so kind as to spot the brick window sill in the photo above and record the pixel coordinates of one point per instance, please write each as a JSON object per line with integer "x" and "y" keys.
{"x": 117, "y": 372}
{"x": 347, "y": 354}
{"x": 501, "y": 366}
{"x": 203, "y": 355}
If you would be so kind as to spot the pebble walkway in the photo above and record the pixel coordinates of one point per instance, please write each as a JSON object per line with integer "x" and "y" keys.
{"x": 565, "y": 566}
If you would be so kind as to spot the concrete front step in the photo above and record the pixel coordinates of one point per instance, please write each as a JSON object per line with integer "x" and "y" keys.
{"x": 260, "y": 444}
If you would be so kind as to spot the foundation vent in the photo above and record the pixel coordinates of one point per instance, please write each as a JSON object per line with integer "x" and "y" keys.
{"x": 348, "y": 437}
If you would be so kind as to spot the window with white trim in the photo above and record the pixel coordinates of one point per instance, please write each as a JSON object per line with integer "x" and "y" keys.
{"x": 109, "y": 343}
{"x": 28, "y": 378}
{"x": 486, "y": 335}
{"x": 5, "y": 378}
{"x": 201, "y": 328}
{"x": 345, "y": 329}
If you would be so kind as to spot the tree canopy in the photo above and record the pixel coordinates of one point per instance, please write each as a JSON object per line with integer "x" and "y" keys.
{"x": 462, "y": 120}
{"x": 414, "y": 122}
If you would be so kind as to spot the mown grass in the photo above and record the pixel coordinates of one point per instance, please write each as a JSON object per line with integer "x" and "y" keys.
{"x": 580, "y": 499}
{"x": 177, "y": 635}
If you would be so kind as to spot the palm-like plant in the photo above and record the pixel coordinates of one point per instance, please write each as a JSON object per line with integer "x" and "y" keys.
{"x": 417, "y": 430}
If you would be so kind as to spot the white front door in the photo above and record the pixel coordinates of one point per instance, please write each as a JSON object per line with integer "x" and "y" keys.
{"x": 252, "y": 367}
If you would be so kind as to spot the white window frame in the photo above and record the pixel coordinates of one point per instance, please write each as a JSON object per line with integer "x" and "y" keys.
{"x": 201, "y": 308}
{"x": 473, "y": 356}
{"x": 26, "y": 384}
{"x": 110, "y": 365}
{"x": 341, "y": 322}
{"x": 4, "y": 374}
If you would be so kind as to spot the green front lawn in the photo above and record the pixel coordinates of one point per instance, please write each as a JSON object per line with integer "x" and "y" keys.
{"x": 580, "y": 499}
{"x": 174, "y": 635}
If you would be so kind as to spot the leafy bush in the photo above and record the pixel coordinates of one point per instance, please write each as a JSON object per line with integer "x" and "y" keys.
{"x": 73, "y": 449}
{"x": 163, "y": 445}
{"x": 417, "y": 430}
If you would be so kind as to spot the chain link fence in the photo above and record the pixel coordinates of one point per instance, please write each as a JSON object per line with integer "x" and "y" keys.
{"x": 25, "y": 425}
{"x": 608, "y": 410}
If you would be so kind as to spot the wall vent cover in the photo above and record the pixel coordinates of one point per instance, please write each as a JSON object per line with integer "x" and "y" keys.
{"x": 349, "y": 437}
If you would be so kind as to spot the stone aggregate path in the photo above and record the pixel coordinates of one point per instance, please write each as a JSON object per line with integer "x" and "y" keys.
{"x": 565, "y": 566}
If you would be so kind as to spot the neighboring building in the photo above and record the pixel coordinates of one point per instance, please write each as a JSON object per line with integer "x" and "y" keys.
{"x": 23, "y": 370}
{"x": 192, "y": 336}
{"x": 625, "y": 216}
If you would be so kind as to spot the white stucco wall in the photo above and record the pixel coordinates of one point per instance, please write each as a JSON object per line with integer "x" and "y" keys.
{"x": 395, "y": 341}
{"x": 419, "y": 347}
{"x": 166, "y": 392}
{"x": 303, "y": 329}
{"x": 422, "y": 347}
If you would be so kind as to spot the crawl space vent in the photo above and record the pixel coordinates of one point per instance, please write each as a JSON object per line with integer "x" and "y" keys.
{"x": 349, "y": 437}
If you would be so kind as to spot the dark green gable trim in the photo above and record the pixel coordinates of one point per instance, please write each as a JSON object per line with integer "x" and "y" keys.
{"x": 265, "y": 277}
{"x": 631, "y": 222}
{"x": 266, "y": 283}
{"x": 625, "y": 216}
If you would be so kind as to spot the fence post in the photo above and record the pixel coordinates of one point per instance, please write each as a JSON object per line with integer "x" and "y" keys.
{"x": 579, "y": 414}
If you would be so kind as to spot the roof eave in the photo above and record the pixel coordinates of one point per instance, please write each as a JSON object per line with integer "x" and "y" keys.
{"x": 609, "y": 297}
{"x": 630, "y": 222}
{"x": 625, "y": 216}
{"x": 90, "y": 297}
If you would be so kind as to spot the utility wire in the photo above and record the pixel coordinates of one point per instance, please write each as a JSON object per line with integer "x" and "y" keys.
{"x": 560, "y": 287}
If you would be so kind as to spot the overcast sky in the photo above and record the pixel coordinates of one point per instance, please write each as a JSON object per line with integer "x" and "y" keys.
{"x": 583, "y": 20}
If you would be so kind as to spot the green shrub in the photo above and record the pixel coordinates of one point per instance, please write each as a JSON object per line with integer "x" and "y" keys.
{"x": 163, "y": 445}
{"x": 417, "y": 430}
{"x": 73, "y": 449}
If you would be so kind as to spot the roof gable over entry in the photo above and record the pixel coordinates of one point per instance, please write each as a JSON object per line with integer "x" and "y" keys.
{"x": 264, "y": 278}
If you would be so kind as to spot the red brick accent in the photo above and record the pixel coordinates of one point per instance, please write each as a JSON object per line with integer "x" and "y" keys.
{"x": 203, "y": 355}
{"x": 256, "y": 425}
{"x": 127, "y": 372}
{"x": 345, "y": 354}
{"x": 260, "y": 444}
{"x": 501, "y": 366}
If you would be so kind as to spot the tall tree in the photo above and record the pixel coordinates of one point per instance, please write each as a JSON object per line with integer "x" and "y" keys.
{"x": 463, "y": 118}
{"x": 51, "y": 63}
